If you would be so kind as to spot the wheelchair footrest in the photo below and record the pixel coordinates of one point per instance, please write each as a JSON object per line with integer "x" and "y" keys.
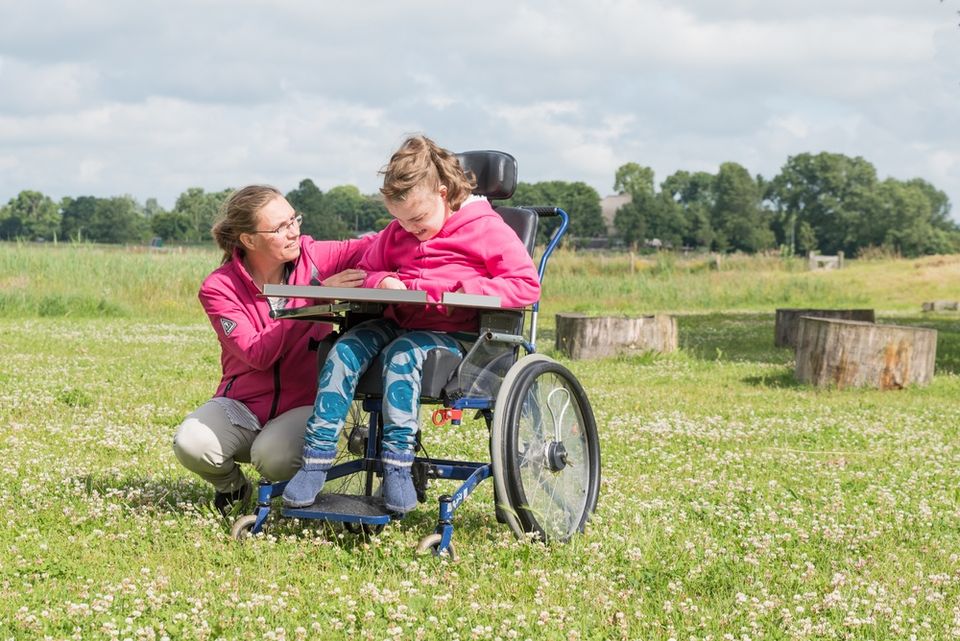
{"x": 349, "y": 508}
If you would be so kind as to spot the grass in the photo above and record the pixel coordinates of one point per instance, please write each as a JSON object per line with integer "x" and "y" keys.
{"x": 735, "y": 502}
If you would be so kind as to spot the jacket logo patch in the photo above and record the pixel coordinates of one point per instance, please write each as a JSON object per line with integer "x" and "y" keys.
{"x": 227, "y": 325}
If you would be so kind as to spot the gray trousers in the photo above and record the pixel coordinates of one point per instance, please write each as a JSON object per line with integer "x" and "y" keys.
{"x": 208, "y": 444}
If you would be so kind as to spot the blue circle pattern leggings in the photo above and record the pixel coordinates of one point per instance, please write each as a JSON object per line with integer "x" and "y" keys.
{"x": 404, "y": 353}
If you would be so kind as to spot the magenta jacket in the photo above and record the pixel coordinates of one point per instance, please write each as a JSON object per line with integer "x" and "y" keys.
{"x": 475, "y": 251}
{"x": 266, "y": 363}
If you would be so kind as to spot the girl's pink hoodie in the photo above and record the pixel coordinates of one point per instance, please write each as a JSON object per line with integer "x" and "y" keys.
{"x": 476, "y": 251}
{"x": 267, "y": 363}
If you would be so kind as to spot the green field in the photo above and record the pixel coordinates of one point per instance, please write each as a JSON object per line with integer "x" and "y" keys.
{"x": 735, "y": 503}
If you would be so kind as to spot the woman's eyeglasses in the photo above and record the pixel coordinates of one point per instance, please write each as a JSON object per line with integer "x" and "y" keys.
{"x": 284, "y": 228}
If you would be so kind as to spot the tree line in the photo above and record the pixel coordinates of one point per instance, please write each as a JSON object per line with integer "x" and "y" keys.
{"x": 822, "y": 202}
{"x": 339, "y": 213}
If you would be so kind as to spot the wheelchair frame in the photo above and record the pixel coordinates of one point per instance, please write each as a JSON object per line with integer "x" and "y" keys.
{"x": 540, "y": 450}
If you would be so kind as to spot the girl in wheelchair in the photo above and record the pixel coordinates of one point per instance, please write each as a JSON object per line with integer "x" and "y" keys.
{"x": 442, "y": 239}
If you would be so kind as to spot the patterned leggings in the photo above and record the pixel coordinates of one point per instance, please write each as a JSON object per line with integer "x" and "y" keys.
{"x": 404, "y": 352}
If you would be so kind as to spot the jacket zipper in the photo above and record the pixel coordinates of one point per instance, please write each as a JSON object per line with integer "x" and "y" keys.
{"x": 276, "y": 376}
{"x": 226, "y": 389}
{"x": 276, "y": 389}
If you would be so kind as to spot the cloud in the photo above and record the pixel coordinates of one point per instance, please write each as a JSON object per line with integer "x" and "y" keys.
{"x": 110, "y": 97}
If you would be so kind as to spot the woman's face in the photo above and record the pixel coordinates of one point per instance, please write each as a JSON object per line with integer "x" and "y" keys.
{"x": 422, "y": 213}
{"x": 277, "y": 234}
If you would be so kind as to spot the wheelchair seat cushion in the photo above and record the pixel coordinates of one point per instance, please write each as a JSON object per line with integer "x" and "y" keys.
{"x": 438, "y": 369}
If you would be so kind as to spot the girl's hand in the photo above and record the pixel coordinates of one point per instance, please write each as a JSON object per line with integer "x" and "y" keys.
{"x": 346, "y": 278}
{"x": 391, "y": 282}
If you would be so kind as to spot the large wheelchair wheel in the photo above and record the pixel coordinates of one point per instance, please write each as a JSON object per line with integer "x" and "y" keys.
{"x": 545, "y": 450}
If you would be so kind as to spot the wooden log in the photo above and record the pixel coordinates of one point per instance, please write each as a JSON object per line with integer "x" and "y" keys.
{"x": 785, "y": 328}
{"x": 579, "y": 336}
{"x": 941, "y": 306}
{"x": 846, "y": 353}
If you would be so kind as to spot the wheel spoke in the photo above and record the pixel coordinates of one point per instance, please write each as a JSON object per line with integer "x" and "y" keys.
{"x": 355, "y": 428}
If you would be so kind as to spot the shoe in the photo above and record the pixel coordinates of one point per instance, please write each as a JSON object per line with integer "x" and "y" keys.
{"x": 399, "y": 493}
{"x": 225, "y": 501}
{"x": 303, "y": 488}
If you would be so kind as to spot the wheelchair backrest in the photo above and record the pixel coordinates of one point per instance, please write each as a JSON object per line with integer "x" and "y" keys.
{"x": 496, "y": 175}
{"x": 522, "y": 221}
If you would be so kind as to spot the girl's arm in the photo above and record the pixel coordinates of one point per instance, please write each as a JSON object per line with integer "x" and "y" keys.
{"x": 378, "y": 260}
{"x": 512, "y": 275}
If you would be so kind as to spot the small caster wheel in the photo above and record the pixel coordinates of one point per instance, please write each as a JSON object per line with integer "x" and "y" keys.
{"x": 431, "y": 543}
{"x": 242, "y": 527}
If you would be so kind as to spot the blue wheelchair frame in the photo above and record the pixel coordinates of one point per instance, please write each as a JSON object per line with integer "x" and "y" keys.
{"x": 471, "y": 473}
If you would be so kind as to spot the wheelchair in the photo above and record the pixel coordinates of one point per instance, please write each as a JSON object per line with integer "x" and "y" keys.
{"x": 544, "y": 453}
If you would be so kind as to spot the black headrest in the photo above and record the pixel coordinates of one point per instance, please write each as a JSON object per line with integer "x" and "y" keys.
{"x": 496, "y": 172}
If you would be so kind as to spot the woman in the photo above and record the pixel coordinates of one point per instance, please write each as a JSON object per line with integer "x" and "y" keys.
{"x": 268, "y": 385}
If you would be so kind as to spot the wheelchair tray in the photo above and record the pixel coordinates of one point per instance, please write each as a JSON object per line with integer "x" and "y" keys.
{"x": 351, "y": 294}
{"x": 343, "y": 507}
{"x": 381, "y": 296}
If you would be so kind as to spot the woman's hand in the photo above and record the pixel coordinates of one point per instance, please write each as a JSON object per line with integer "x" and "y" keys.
{"x": 346, "y": 278}
{"x": 391, "y": 282}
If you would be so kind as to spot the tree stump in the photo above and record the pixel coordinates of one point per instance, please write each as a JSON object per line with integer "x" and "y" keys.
{"x": 785, "y": 329}
{"x": 855, "y": 354}
{"x": 941, "y": 306}
{"x": 580, "y": 336}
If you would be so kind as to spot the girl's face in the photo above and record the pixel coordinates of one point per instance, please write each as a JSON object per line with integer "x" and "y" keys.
{"x": 422, "y": 213}
{"x": 277, "y": 234}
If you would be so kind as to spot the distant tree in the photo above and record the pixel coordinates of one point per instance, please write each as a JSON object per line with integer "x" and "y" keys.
{"x": 200, "y": 208}
{"x": 76, "y": 217}
{"x": 7, "y": 223}
{"x": 633, "y": 179}
{"x": 630, "y": 220}
{"x": 152, "y": 208}
{"x": 171, "y": 226}
{"x": 10, "y": 227}
{"x": 666, "y": 222}
{"x": 342, "y": 206}
{"x": 308, "y": 200}
{"x": 806, "y": 238}
{"x": 834, "y": 194}
{"x": 372, "y": 211}
{"x": 582, "y": 203}
{"x": 939, "y": 203}
{"x": 118, "y": 220}
{"x": 30, "y": 215}
{"x": 737, "y": 216}
{"x": 912, "y": 216}
{"x": 578, "y": 199}
{"x": 694, "y": 192}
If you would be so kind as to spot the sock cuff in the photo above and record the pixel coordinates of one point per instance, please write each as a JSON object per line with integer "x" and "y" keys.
{"x": 318, "y": 457}
{"x": 398, "y": 459}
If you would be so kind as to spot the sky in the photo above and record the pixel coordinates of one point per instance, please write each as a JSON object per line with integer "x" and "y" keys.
{"x": 113, "y": 97}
